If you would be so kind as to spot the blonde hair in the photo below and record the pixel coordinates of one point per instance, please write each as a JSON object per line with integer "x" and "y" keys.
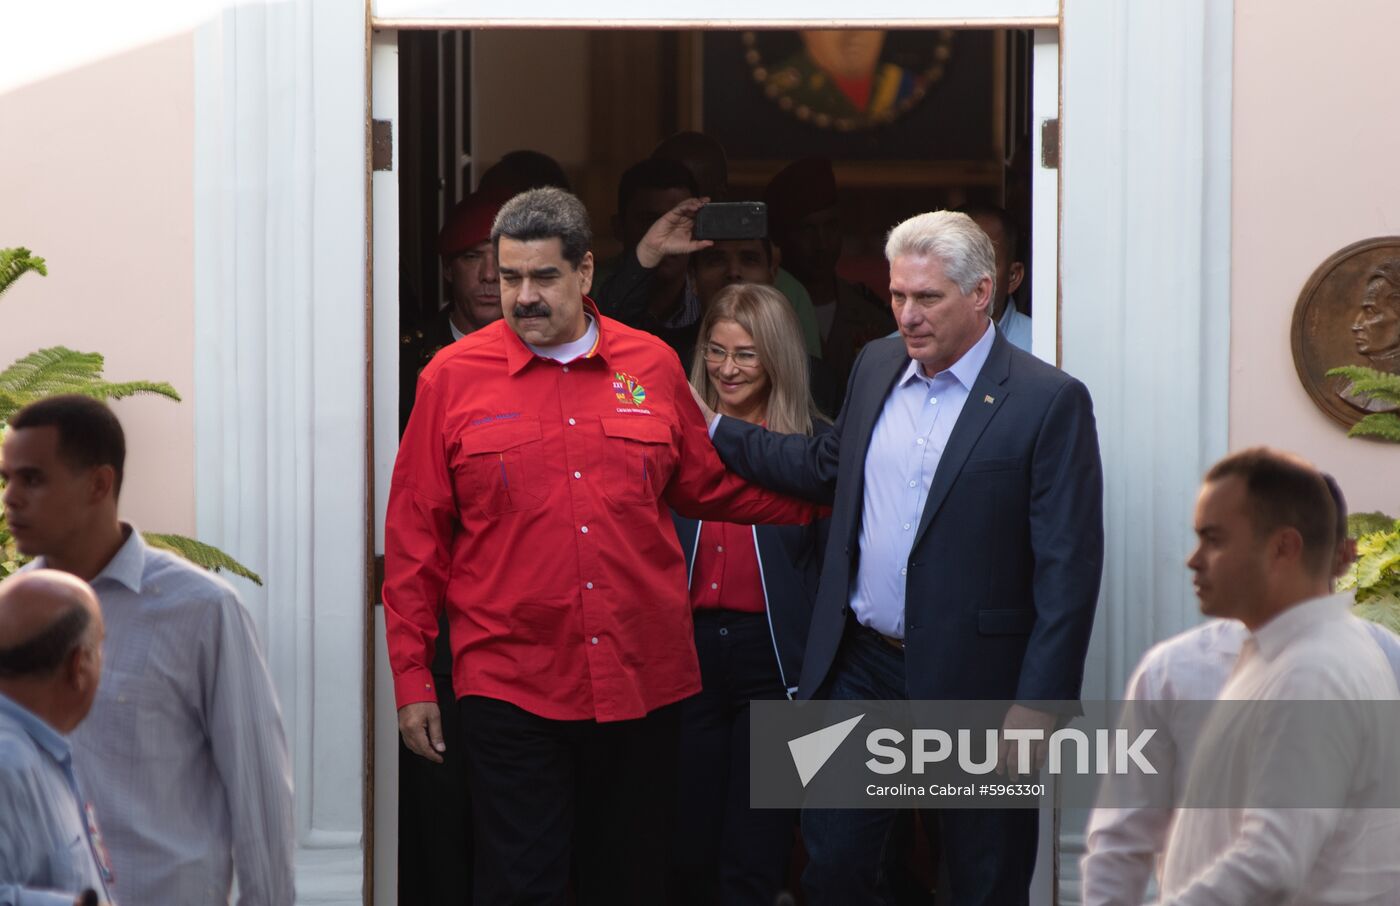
{"x": 768, "y": 317}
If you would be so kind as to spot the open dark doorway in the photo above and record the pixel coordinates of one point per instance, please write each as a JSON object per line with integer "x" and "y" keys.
{"x": 943, "y": 119}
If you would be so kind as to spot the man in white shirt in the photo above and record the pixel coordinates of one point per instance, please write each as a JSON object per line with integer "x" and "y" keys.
{"x": 1266, "y": 526}
{"x": 1124, "y": 841}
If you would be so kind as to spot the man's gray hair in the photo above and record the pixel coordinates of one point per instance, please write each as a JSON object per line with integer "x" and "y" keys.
{"x": 547, "y": 213}
{"x": 954, "y": 239}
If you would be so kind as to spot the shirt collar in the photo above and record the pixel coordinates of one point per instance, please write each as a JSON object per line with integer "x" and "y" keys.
{"x": 127, "y": 566}
{"x": 965, "y": 369}
{"x": 518, "y": 355}
{"x": 44, "y": 735}
{"x": 1297, "y": 621}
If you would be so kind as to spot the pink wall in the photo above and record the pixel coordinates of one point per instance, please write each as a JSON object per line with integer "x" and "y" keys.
{"x": 99, "y": 164}
{"x": 1316, "y": 146}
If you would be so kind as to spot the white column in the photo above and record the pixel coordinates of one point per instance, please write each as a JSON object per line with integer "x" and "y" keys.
{"x": 280, "y": 380}
{"x": 1145, "y": 307}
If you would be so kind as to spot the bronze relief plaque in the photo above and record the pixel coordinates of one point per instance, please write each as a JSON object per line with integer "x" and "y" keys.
{"x": 1349, "y": 314}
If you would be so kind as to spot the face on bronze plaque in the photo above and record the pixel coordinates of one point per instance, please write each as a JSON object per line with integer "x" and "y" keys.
{"x": 1349, "y": 314}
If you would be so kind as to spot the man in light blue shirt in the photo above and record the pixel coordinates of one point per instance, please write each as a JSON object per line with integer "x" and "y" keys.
{"x": 50, "y": 663}
{"x": 183, "y": 756}
{"x": 1005, "y": 234}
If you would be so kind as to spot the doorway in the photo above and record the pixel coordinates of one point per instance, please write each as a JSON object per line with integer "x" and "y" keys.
{"x": 598, "y": 101}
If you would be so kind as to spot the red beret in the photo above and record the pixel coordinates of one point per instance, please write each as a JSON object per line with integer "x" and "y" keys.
{"x": 470, "y": 222}
{"x": 800, "y": 189}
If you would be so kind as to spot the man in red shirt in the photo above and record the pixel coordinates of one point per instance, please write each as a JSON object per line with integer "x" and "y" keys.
{"x": 531, "y": 498}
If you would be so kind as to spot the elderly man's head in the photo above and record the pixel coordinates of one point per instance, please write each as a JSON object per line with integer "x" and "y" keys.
{"x": 942, "y": 268}
{"x": 542, "y": 240}
{"x": 51, "y": 635}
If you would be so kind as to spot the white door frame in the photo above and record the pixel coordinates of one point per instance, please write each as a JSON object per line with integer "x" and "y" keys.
{"x": 1044, "y": 238}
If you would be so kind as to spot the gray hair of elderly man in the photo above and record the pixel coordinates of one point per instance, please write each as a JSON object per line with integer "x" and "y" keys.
{"x": 954, "y": 239}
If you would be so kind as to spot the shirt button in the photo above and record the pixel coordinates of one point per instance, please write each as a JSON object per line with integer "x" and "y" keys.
{"x": 913, "y": 484}
{"x": 578, "y": 474}
{"x": 906, "y": 526}
{"x": 584, "y": 529}
{"x": 724, "y": 631}
{"x": 588, "y": 585}
{"x": 933, "y": 401}
{"x": 566, "y": 369}
{"x": 920, "y": 441}
{"x": 572, "y": 422}
{"x": 720, "y": 548}
{"x": 903, "y": 571}
{"x": 714, "y": 586}
{"x": 595, "y": 640}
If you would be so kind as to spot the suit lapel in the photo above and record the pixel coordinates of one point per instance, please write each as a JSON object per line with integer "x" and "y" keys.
{"x": 986, "y": 397}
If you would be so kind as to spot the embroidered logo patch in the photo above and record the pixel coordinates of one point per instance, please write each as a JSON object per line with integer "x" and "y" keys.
{"x": 628, "y": 389}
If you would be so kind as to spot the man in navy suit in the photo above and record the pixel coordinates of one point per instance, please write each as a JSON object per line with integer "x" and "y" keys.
{"x": 966, "y": 545}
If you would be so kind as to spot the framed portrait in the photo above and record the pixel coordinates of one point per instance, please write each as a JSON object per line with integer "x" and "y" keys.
{"x": 854, "y": 94}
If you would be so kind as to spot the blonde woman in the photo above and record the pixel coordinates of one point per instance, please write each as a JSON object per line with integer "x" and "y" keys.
{"x": 751, "y": 588}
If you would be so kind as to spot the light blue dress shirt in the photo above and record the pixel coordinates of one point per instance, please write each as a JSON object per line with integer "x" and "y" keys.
{"x": 47, "y": 854}
{"x": 183, "y": 753}
{"x": 1015, "y": 326}
{"x": 905, "y": 449}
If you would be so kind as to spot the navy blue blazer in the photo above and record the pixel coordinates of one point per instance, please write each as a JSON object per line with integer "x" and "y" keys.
{"x": 1004, "y": 574}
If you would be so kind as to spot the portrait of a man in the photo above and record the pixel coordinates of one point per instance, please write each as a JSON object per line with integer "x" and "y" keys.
{"x": 838, "y": 75}
{"x": 1375, "y": 330}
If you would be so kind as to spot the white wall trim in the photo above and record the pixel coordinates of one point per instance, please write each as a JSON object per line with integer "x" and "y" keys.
{"x": 279, "y": 380}
{"x": 1145, "y": 250}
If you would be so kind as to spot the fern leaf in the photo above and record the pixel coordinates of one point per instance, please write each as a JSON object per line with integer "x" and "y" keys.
{"x": 15, "y": 263}
{"x": 200, "y": 554}
{"x": 1381, "y": 385}
{"x": 56, "y": 370}
{"x": 1385, "y": 425}
{"x": 104, "y": 390}
{"x": 47, "y": 372}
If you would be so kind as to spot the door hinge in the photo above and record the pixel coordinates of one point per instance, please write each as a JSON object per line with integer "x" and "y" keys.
{"x": 382, "y": 144}
{"x": 1050, "y": 144}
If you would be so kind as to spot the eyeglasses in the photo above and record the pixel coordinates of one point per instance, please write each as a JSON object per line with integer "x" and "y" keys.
{"x": 744, "y": 358}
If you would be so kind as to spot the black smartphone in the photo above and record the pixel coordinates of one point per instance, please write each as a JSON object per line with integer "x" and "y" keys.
{"x": 732, "y": 220}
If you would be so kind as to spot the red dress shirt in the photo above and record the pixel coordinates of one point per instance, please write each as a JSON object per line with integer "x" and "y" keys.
{"x": 726, "y": 573}
{"x": 531, "y": 500}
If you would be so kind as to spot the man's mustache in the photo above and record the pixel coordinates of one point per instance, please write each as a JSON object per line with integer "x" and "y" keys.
{"x": 531, "y": 310}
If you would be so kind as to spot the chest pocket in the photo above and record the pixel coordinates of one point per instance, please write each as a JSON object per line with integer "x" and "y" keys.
{"x": 637, "y": 459}
{"x": 502, "y": 465}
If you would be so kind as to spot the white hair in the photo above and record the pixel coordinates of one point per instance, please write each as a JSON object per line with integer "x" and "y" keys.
{"x": 954, "y": 239}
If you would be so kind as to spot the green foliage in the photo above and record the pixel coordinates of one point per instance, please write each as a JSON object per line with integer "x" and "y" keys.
{"x": 1378, "y": 385}
{"x": 1385, "y": 425}
{"x": 1376, "y": 573}
{"x": 58, "y": 370}
{"x": 200, "y": 554}
{"x": 1381, "y": 385}
{"x": 15, "y": 263}
{"x": 1359, "y": 524}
